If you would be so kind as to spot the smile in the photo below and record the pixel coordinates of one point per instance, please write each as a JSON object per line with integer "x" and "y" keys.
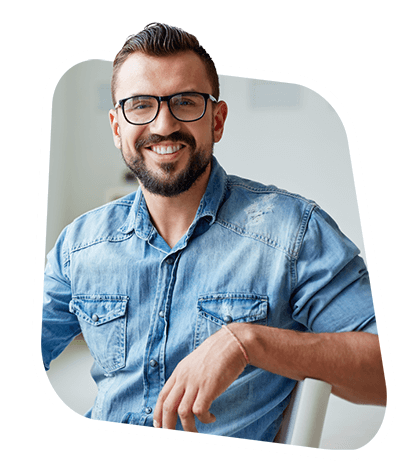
{"x": 166, "y": 149}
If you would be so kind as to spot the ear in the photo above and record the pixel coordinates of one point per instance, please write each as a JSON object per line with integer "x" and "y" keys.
{"x": 115, "y": 128}
{"x": 220, "y": 115}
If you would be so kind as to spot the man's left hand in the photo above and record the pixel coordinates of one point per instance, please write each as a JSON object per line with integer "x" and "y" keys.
{"x": 197, "y": 381}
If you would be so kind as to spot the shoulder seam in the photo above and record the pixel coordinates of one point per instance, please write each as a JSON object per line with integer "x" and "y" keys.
{"x": 118, "y": 202}
{"x": 299, "y": 242}
{"x": 259, "y": 238}
{"x": 269, "y": 189}
{"x": 71, "y": 249}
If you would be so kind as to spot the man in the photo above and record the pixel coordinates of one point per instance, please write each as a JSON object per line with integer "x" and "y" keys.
{"x": 204, "y": 297}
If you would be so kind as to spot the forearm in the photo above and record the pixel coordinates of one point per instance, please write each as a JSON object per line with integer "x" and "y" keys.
{"x": 351, "y": 362}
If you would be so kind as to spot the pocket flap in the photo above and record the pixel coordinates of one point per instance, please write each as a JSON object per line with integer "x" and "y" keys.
{"x": 224, "y": 308}
{"x": 98, "y": 309}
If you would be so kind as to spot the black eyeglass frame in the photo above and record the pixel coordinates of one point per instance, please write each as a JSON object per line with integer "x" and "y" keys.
{"x": 206, "y": 97}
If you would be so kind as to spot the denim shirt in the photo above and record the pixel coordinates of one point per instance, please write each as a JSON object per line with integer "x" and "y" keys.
{"x": 253, "y": 253}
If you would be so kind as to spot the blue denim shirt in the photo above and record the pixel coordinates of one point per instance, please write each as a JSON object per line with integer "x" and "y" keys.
{"x": 253, "y": 253}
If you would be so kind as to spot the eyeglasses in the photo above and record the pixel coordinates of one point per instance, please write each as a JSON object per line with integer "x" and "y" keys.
{"x": 185, "y": 107}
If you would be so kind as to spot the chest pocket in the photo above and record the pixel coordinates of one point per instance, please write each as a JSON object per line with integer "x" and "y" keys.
{"x": 217, "y": 309}
{"x": 103, "y": 322}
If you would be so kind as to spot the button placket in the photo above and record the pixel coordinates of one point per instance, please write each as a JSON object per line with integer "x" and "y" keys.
{"x": 155, "y": 350}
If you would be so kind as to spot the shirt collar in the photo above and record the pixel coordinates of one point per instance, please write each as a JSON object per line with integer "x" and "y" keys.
{"x": 139, "y": 218}
{"x": 214, "y": 194}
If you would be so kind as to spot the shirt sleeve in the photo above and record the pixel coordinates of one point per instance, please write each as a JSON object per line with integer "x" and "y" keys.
{"x": 332, "y": 291}
{"x": 59, "y": 326}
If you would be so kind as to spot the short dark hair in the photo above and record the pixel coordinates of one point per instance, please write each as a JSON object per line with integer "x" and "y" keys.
{"x": 158, "y": 39}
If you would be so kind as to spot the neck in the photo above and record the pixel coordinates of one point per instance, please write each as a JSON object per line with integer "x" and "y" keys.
{"x": 172, "y": 216}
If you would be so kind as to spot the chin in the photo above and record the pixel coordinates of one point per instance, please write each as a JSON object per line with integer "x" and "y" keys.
{"x": 170, "y": 181}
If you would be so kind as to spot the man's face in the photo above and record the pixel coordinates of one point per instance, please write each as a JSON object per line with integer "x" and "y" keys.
{"x": 166, "y": 155}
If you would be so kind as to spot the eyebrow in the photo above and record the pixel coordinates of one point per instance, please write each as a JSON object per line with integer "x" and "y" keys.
{"x": 153, "y": 95}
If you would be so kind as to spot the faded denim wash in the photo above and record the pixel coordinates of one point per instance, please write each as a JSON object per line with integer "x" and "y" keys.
{"x": 253, "y": 253}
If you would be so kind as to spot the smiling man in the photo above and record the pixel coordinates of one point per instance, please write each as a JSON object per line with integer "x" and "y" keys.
{"x": 204, "y": 297}
{"x": 167, "y": 143}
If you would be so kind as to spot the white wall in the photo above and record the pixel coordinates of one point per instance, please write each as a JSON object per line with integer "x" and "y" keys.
{"x": 84, "y": 163}
{"x": 289, "y": 136}
{"x": 280, "y": 134}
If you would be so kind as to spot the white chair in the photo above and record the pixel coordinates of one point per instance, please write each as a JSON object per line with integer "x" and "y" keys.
{"x": 303, "y": 419}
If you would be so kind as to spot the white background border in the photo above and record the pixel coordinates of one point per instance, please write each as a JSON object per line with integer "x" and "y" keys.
{"x": 369, "y": 248}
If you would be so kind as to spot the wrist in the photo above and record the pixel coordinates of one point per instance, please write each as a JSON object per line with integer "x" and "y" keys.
{"x": 245, "y": 333}
{"x": 239, "y": 344}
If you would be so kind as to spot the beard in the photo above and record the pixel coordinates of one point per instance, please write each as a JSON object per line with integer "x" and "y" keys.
{"x": 170, "y": 183}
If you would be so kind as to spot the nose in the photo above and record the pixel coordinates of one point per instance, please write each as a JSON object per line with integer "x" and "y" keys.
{"x": 165, "y": 123}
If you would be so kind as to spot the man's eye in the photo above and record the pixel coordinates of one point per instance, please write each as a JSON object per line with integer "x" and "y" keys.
{"x": 138, "y": 105}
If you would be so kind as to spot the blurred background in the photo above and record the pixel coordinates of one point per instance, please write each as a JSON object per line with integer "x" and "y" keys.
{"x": 276, "y": 133}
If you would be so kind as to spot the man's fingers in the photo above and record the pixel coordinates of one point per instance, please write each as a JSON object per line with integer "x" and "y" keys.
{"x": 197, "y": 381}
{"x": 158, "y": 410}
{"x": 201, "y": 410}
{"x": 179, "y": 402}
{"x": 174, "y": 402}
{"x": 169, "y": 410}
{"x": 185, "y": 413}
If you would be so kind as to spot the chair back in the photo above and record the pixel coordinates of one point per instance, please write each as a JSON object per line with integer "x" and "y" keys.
{"x": 303, "y": 419}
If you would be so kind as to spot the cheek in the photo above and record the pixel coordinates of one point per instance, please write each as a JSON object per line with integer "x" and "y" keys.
{"x": 129, "y": 136}
{"x": 204, "y": 133}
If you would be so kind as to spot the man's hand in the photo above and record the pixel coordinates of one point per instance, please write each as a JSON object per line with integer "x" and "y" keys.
{"x": 351, "y": 362}
{"x": 197, "y": 381}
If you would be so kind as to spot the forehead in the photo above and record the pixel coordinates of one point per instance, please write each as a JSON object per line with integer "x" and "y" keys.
{"x": 144, "y": 74}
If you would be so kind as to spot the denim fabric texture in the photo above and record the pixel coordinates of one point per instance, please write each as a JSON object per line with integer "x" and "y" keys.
{"x": 253, "y": 253}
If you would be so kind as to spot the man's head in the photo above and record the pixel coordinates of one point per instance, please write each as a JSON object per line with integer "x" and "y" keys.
{"x": 163, "y": 40}
{"x": 166, "y": 151}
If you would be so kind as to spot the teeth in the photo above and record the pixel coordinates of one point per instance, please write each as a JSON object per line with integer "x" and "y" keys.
{"x": 166, "y": 150}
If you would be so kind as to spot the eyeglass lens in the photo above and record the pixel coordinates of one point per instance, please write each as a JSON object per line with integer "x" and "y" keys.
{"x": 143, "y": 109}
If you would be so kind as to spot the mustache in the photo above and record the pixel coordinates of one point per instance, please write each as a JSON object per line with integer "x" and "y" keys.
{"x": 177, "y": 136}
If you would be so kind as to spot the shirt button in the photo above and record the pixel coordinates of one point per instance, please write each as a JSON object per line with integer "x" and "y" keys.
{"x": 228, "y": 319}
{"x": 161, "y": 313}
{"x": 95, "y": 318}
{"x": 148, "y": 410}
{"x": 153, "y": 363}
{"x": 169, "y": 260}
